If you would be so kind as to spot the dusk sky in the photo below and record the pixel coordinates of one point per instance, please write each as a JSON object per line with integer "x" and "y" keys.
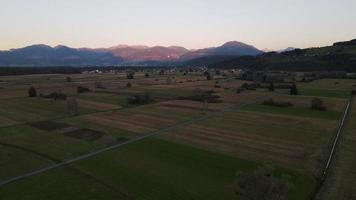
{"x": 272, "y": 24}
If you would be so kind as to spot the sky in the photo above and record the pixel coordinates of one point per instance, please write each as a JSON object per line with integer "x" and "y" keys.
{"x": 266, "y": 24}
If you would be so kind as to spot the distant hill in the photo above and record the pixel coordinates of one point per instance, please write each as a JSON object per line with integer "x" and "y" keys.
{"x": 143, "y": 53}
{"x": 339, "y": 56}
{"x": 43, "y": 55}
{"x": 232, "y": 48}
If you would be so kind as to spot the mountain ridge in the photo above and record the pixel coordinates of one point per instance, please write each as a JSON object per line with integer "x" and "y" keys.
{"x": 42, "y": 54}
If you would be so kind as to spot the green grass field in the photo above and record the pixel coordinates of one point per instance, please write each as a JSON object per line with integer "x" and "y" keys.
{"x": 22, "y": 110}
{"x": 49, "y": 143}
{"x": 339, "y": 88}
{"x": 151, "y": 169}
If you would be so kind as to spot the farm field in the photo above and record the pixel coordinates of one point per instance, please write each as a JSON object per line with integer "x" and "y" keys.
{"x": 167, "y": 169}
{"x": 176, "y": 136}
{"x": 328, "y": 88}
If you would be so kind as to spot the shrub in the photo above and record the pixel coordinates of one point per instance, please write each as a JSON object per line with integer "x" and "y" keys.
{"x": 317, "y": 104}
{"x": 56, "y": 96}
{"x": 128, "y": 85}
{"x": 169, "y": 80}
{"x": 271, "y": 87}
{"x": 283, "y": 86}
{"x": 32, "y": 92}
{"x": 294, "y": 90}
{"x": 238, "y": 90}
{"x": 69, "y": 79}
{"x": 81, "y": 89}
{"x": 140, "y": 99}
{"x": 251, "y": 86}
{"x": 203, "y": 96}
{"x": 99, "y": 85}
{"x": 130, "y": 74}
{"x": 271, "y": 102}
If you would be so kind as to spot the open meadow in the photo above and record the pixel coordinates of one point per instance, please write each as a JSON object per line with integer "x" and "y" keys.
{"x": 174, "y": 135}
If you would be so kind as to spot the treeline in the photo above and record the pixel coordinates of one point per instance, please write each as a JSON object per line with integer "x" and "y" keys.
{"x": 6, "y": 71}
{"x": 287, "y": 62}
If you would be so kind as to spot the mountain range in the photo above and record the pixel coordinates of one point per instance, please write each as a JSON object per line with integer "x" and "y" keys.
{"x": 339, "y": 56}
{"x": 44, "y": 55}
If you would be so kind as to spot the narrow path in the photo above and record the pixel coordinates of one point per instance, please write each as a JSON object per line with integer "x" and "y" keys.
{"x": 331, "y": 155}
{"x": 336, "y": 140}
{"x": 148, "y": 135}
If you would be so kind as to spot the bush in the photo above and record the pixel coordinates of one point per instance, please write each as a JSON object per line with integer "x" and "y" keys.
{"x": 271, "y": 87}
{"x": 130, "y": 74}
{"x": 271, "y": 102}
{"x": 282, "y": 86}
{"x": 251, "y": 86}
{"x": 294, "y": 90}
{"x": 169, "y": 80}
{"x": 140, "y": 99}
{"x": 81, "y": 89}
{"x": 203, "y": 96}
{"x": 317, "y": 104}
{"x": 69, "y": 79}
{"x": 56, "y": 96}
{"x": 128, "y": 85}
{"x": 261, "y": 184}
{"x": 32, "y": 92}
{"x": 99, "y": 85}
{"x": 238, "y": 90}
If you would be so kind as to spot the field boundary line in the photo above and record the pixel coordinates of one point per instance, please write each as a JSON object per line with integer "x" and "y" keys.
{"x": 332, "y": 153}
{"x": 147, "y": 135}
{"x": 336, "y": 140}
{"x": 30, "y": 151}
